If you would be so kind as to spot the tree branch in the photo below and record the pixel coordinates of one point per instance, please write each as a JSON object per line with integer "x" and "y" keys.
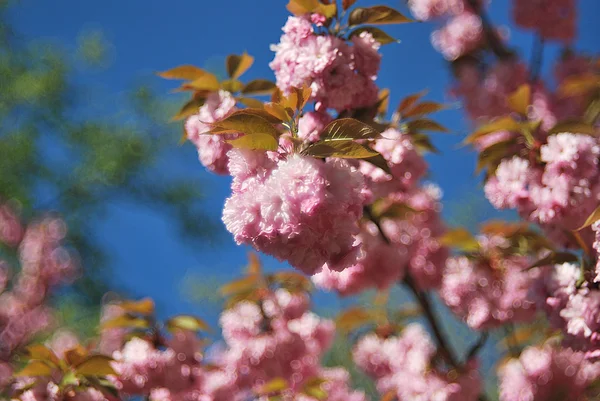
{"x": 491, "y": 35}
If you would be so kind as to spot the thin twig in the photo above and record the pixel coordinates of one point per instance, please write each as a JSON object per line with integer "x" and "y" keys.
{"x": 491, "y": 35}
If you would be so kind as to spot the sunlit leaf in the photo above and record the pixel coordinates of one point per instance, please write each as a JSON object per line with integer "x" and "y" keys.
{"x": 42, "y": 353}
{"x": 143, "y": 307}
{"x": 302, "y": 7}
{"x": 207, "y": 82}
{"x": 505, "y": 123}
{"x": 75, "y": 356}
{"x": 396, "y": 211}
{"x": 277, "y": 111}
{"x": 388, "y": 396}
{"x": 423, "y": 143}
{"x": 383, "y": 102}
{"x": 379, "y": 35}
{"x": 291, "y": 281}
{"x": 254, "y": 265}
{"x": 592, "y": 218}
{"x": 190, "y": 108}
{"x": 343, "y": 149}
{"x": 423, "y": 108}
{"x": 353, "y": 318}
{"x": 460, "y": 238}
{"x": 257, "y": 141}
{"x": 251, "y": 102}
{"x": 240, "y": 285}
{"x": 579, "y": 85}
{"x": 237, "y": 65}
{"x": 187, "y": 322}
{"x": 259, "y": 87}
{"x": 126, "y": 321}
{"x": 245, "y": 122}
{"x": 275, "y": 385}
{"x": 491, "y": 156}
{"x": 232, "y": 85}
{"x": 35, "y": 369}
{"x": 409, "y": 101}
{"x": 377, "y": 15}
{"x": 344, "y": 129}
{"x": 185, "y": 72}
{"x": 95, "y": 365}
{"x": 425, "y": 125}
{"x": 520, "y": 99}
{"x": 576, "y": 126}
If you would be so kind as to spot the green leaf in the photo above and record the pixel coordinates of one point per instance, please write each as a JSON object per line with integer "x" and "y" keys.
{"x": 423, "y": 143}
{"x": 277, "y": 111}
{"x": 316, "y": 392}
{"x": 189, "y": 109}
{"x": 380, "y": 162}
{"x": 302, "y": 7}
{"x": 460, "y": 238}
{"x": 258, "y": 141}
{"x": 126, "y": 321}
{"x": 143, "y": 307}
{"x": 251, "y": 102}
{"x": 207, "y": 82}
{"x": 425, "y": 125}
{"x": 185, "y": 72}
{"x": 187, "y": 322}
{"x": 232, "y": 85}
{"x": 275, "y": 385}
{"x": 291, "y": 281}
{"x": 42, "y": 353}
{"x": 574, "y": 126}
{"x": 520, "y": 99}
{"x": 237, "y": 65}
{"x": 342, "y": 149}
{"x": 409, "y": 101}
{"x": 505, "y": 123}
{"x": 592, "y": 218}
{"x": 95, "y": 365}
{"x": 380, "y": 36}
{"x": 259, "y": 87}
{"x": 555, "y": 258}
{"x": 344, "y": 129}
{"x": 35, "y": 369}
{"x": 353, "y": 318}
{"x": 579, "y": 85}
{"x": 423, "y": 108}
{"x": 377, "y": 15}
{"x": 245, "y": 122}
{"x": 491, "y": 156}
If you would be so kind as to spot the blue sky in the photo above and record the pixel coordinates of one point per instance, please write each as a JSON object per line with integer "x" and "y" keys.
{"x": 151, "y": 35}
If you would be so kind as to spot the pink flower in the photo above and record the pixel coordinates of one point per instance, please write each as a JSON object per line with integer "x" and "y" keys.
{"x": 366, "y": 54}
{"x": 311, "y": 124}
{"x": 429, "y": 9}
{"x": 508, "y": 187}
{"x": 596, "y": 245}
{"x": 305, "y": 212}
{"x": 461, "y": 35}
{"x": 488, "y": 296}
{"x": 212, "y": 149}
{"x": 552, "y": 19}
{"x": 545, "y": 374}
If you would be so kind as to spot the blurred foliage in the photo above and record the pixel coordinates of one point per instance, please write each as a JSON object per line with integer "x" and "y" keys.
{"x": 58, "y": 153}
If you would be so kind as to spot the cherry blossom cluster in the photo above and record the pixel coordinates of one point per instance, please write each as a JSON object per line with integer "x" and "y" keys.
{"x": 340, "y": 75}
{"x": 491, "y": 288}
{"x": 462, "y": 32}
{"x": 545, "y": 373}
{"x": 36, "y": 262}
{"x": 404, "y": 365}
